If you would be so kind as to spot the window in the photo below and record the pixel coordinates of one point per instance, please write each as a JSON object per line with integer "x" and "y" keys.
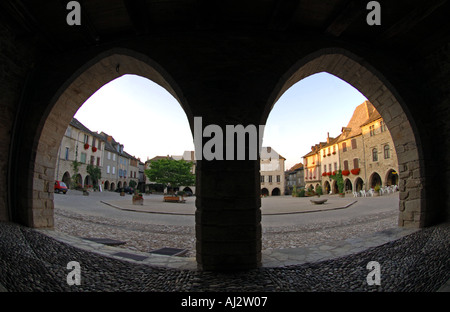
{"x": 98, "y": 161}
{"x": 66, "y": 157}
{"x": 124, "y": 173}
{"x": 324, "y": 168}
{"x": 329, "y": 167}
{"x": 114, "y": 170}
{"x": 86, "y": 138}
{"x": 120, "y": 172}
{"x": 114, "y": 157}
{"x": 334, "y": 149}
{"x": 374, "y": 154}
{"x": 335, "y": 166}
{"x": 355, "y": 163}
{"x": 262, "y": 179}
{"x": 83, "y": 158}
{"x": 372, "y": 130}
{"x": 109, "y": 155}
{"x": 270, "y": 179}
{"x": 93, "y": 141}
{"x": 344, "y": 147}
{"x": 278, "y": 178}
{"x": 387, "y": 152}
{"x": 353, "y": 143}
{"x": 383, "y": 126}
{"x": 107, "y": 169}
{"x": 345, "y": 164}
{"x": 92, "y": 160}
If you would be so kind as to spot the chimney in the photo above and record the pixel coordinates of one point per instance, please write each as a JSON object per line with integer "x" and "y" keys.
{"x": 328, "y": 137}
{"x": 109, "y": 138}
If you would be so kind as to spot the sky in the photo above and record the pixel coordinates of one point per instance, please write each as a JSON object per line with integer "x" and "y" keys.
{"x": 150, "y": 122}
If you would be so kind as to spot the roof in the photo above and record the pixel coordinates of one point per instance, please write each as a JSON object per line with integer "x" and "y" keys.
{"x": 76, "y": 124}
{"x": 296, "y": 167}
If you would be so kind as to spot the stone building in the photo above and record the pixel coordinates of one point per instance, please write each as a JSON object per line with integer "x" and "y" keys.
{"x": 294, "y": 177}
{"x": 272, "y": 172}
{"x": 328, "y": 164}
{"x": 380, "y": 157}
{"x": 311, "y": 163}
{"x": 81, "y": 145}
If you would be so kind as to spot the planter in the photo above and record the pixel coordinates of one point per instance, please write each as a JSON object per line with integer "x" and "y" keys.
{"x": 355, "y": 171}
{"x": 345, "y": 172}
{"x": 341, "y": 194}
{"x": 138, "y": 201}
{"x": 318, "y": 201}
{"x": 85, "y": 193}
{"x": 86, "y": 146}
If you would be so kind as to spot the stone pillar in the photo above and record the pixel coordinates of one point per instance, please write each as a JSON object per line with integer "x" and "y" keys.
{"x": 228, "y": 215}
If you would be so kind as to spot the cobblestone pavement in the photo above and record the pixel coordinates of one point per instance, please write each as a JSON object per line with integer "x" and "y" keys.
{"x": 32, "y": 261}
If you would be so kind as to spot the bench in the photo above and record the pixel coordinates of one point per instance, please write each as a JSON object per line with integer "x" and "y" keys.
{"x": 174, "y": 199}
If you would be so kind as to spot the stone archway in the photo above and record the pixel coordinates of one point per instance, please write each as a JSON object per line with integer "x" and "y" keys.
{"x": 327, "y": 187}
{"x": 276, "y": 192}
{"x": 375, "y": 180}
{"x": 359, "y": 184}
{"x": 66, "y": 179}
{"x": 264, "y": 192}
{"x": 348, "y": 185}
{"x": 106, "y": 186}
{"x": 382, "y": 94}
{"x": 92, "y": 75}
{"x": 391, "y": 178}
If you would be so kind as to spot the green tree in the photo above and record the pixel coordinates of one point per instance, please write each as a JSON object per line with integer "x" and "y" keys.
{"x": 339, "y": 181}
{"x": 96, "y": 174}
{"x": 171, "y": 172}
{"x": 75, "y": 168}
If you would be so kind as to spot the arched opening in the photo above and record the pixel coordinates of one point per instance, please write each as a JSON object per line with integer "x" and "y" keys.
{"x": 112, "y": 187}
{"x": 276, "y": 192}
{"x": 264, "y": 192}
{"x": 66, "y": 179}
{"x": 359, "y": 184}
{"x": 327, "y": 187}
{"x": 106, "y": 185}
{"x": 72, "y": 93}
{"x": 375, "y": 180}
{"x": 79, "y": 181}
{"x": 381, "y": 93}
{"x": 335, "y": 189}
{"x": 391, "y": 178}
{"x": 87, "y": 181}
{"x": 348, "y": 185}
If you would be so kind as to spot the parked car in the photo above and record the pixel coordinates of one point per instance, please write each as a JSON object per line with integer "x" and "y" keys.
{"x": 127, "y": 189}
{"x": 60, "y": 187}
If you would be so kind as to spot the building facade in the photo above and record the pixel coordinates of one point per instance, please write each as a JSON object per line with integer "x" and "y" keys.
{"x": 98, "y": 149}
{"x": 364, "y": 151}
{"x": 294, "y": 177}
{"x": 272, "y": 172}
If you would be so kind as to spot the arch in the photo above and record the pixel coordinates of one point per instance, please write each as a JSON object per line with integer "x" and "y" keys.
{"x": 380, "y": 92}
{"x": 348, "y": 187}
{"x": 326, "y": 187}
{"x": 66, "y": 179}
{"x": 72, "y": 93}
{"x": 106, "y": 185}
{"x": 276, "y": 192}
{"x": 112, "y": 187}
{"x": 188, "y": 189}
{"x": 335, "y": 188}
{"x": 125, "y": 184}
{"x": 87, "y": 180}
{"x": 391, "y": 177}
{"x": 79, "y": 180}
{"x": 119, "y": 184}
{"x": 264, "y": 192}
{"x": 375, "y": 180}
{"x": 359, "y": 184}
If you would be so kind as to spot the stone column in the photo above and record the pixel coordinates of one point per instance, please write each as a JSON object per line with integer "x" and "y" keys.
{"x": 228, "y": 215}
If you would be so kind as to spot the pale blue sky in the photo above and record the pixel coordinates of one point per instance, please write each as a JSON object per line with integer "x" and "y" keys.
{"x": 149, "y": 121}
